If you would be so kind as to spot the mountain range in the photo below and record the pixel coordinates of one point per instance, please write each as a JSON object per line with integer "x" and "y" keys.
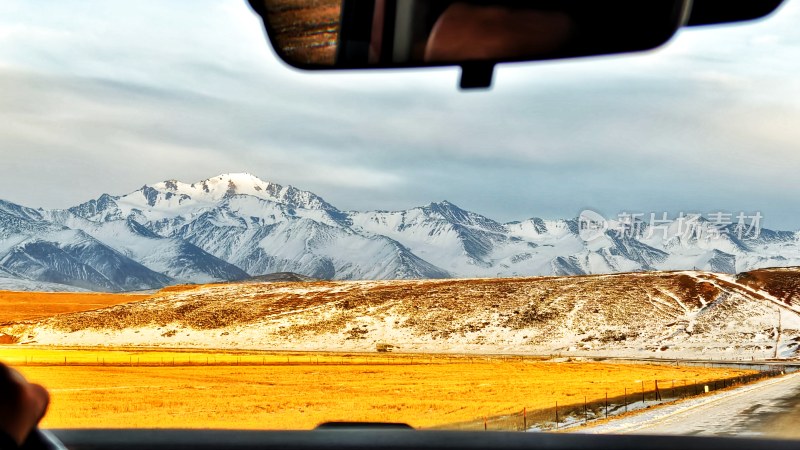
{"x": 236, "y": 226}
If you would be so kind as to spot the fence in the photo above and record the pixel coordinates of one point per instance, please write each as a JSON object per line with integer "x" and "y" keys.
{"x": 644, "y": 394}
{"x": 155, "y": 357}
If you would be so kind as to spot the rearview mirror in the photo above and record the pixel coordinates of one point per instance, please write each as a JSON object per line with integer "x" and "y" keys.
{"x": 713, "y": 12}
{"x": 476, "y": 35}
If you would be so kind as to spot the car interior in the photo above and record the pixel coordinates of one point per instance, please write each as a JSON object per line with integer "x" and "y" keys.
{"x": 376, "y": 40}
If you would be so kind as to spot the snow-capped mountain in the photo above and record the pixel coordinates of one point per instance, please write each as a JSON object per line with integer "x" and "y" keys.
{"x": 173, "y": 257}
{"x": 262, "y": 237}
{"x": 163, "y": 203}
{"x": 233, "y": 226}
{"x": 35, "y": 249}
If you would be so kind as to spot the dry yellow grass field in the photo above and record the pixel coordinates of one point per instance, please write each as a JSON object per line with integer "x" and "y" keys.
{"x": 15, "y": 306}
{"x": 145, "y": 387}
{"x": 142, "y": 388}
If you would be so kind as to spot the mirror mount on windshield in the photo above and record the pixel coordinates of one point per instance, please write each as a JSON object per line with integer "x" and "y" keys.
{"x": 476, "y": 75}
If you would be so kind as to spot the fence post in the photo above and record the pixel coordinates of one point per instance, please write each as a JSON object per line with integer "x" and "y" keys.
{"x": 626, "y": 399}
{"x": 658, "y": 394}
{"x": 606, "y": 404}
{"x": 643, "y": 400}
{"x": 485, "y": 425}
{"x": 585, "y": 412}
{"x": 524, "y": 418}
{"x": 556, "y": 415}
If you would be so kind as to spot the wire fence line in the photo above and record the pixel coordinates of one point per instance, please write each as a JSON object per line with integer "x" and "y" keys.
{"x": 146, "y": 356}
{"x": 642, "y": 395}
{"x": 784, "y": 365}
{"x": 167, "y": 358}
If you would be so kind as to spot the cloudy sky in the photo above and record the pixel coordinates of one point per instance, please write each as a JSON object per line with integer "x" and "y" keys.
{"x": 100, "y": 96}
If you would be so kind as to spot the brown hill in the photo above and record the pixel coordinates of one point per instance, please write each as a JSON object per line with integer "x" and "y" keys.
{"x": 674, "y": 314}
{"x": 781, "y": 283}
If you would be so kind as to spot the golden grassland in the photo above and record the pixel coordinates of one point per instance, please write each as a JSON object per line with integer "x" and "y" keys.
{"x": 262, "y": 390}
{"x": 189, "y": 388}
{"x": 15, "y": 306}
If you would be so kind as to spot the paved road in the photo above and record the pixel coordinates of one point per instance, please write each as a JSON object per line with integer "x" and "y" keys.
{"x": 770, "y": 409}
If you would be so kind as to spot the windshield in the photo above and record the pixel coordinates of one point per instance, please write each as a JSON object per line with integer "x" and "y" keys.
{"x": 194, "y": 235}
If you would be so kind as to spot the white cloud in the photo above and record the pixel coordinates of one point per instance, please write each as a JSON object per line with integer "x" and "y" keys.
{"x": 101, "y": 96}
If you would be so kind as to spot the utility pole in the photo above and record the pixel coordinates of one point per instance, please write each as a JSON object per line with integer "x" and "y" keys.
{"x": 778, "y": 334}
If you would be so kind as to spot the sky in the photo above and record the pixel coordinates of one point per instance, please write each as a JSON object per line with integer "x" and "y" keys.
{"x": 102, "y": 96}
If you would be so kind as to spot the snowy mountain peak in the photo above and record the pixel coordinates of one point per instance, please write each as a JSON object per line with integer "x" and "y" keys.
{"x": 444, "y": 204}
{"x": 453, "y": 214}
{"x": 220, "y": 187}
{"x": 19, "y": 211}
{"x": 446, "y": 210}
{"x": 215, "y": 188}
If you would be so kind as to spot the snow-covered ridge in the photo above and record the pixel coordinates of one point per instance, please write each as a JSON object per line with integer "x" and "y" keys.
{"x": 173, "y": 198}
{"x": 227, "y": 185}
{"x": 667, "y": 314}
{"x": 236, "y": 225}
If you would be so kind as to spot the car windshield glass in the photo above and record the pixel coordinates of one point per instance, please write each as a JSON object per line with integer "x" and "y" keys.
{"x": 195, "y": 235}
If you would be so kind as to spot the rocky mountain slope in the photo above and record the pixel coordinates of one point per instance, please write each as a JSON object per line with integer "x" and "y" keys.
{"x": 234, "y": 226}
{"x": 667, "y": 314}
